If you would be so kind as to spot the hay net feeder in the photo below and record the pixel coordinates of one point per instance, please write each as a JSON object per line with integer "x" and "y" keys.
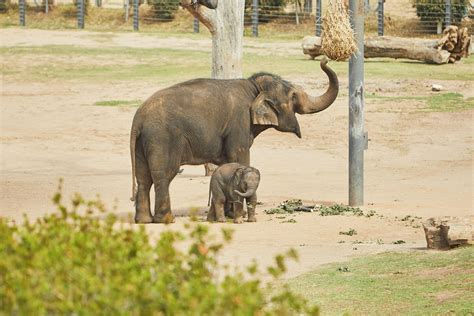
{"x": 337, "y": 40}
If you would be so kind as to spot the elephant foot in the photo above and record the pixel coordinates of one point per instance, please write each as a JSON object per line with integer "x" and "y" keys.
{"x": 252, "y": 219}
{"x": 211, "y": 218}
{"x": 238, "y": 220}
{"x": 221, "y": 219}
{"x": 166, "y": 218}
{"x": 143, "y": 219}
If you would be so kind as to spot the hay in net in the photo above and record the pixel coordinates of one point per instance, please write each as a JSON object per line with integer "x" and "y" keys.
{"x": 337, "y": 41}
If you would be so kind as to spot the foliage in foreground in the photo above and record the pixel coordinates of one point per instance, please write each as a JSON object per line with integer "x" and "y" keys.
{"x": 81, "y": 260}
{"x": 408, "y": 283}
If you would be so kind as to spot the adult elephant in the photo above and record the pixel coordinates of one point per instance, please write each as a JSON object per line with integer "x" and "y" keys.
{"x": 210, "y": 120}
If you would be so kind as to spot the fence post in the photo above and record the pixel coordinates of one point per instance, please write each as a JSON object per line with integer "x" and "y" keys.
{"x": 136, "y": 4}
{"x": 380, "y": 16}
{"x": 80, "y": 14}
{"x": 127, "y": 10}
{"x": 196, "y": 25}
{"x": 21, "y": 10}
{"x": 318, "y": 17}
{"x": 357, "y": 136}
{"x": 255, "y": 18}
{"x": 447, "y": 18}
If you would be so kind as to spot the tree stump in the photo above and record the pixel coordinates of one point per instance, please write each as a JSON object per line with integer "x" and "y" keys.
{"x": 447, "y": 232}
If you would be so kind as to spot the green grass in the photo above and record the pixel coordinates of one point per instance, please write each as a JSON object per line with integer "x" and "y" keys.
{"x": 119, "y": 103}
{"x": 443, "y": 102}
{"x": 174, "y": 65}
{"x": 413, "y": 283}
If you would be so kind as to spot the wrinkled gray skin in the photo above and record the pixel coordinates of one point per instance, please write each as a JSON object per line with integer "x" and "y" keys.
{"x": 210, "y": 121}
{"x": 230, "y": 184}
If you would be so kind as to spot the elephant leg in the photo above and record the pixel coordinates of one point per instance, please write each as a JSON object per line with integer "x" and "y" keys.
{"x": 211, "y": 215}
{"x": 209, "y": 169}
{"x": 251, "y": 205}
{"x": 238, "y": 211}
{"x": 162, "y": 198}
{"x": 228, "y": 210}
{"x": 144, "y": 182}
{"x": 220, "y": 214}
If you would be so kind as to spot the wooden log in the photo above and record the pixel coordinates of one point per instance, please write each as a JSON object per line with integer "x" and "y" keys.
{"x": 392, "y": 47}
{"x": 448, "y": 232}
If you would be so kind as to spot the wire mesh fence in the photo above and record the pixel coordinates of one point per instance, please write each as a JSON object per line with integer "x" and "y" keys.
{"x": 286, "y": 18}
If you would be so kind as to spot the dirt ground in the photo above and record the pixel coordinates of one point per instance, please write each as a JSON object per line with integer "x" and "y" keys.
{"x": 418, "y": 163}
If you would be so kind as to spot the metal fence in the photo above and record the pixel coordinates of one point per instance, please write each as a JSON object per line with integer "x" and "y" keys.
{"x": 420, "y": 18}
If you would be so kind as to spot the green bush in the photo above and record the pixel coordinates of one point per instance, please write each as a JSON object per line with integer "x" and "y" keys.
{"x": 81, "y": 260}
{"x": 164, "y": 10}
{"x": 435, "y": 10}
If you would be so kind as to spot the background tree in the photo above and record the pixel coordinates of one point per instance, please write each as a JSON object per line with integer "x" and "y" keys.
{"x": 225, "y": 21}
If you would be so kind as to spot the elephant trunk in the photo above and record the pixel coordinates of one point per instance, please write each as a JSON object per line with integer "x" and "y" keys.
{"x": 307, "y": 104}
{"x": 247, "y": 193}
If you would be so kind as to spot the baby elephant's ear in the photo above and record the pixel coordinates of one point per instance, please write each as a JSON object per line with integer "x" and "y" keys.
{"x": 262, "y": 111}
{"x": 238, "y": 174}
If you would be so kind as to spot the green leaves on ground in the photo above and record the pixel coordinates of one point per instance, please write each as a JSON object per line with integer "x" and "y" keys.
{"x": 296, "y": 205}
{"x": 82, "y": 260}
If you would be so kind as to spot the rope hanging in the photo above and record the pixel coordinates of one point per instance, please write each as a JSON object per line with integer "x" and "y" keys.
{"x": 337, "y": 40}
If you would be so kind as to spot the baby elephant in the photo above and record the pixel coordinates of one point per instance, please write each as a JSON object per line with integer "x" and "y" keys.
{"x": 230, "y": 184}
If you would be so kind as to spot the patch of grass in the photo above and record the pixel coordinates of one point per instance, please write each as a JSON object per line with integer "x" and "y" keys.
{"x": 164, "y": 65}
{"x": 415, "y": 283}
{"x": 444, "y": 102}
{"x": 447, "y": 102}
{"x": 119, "y": 103}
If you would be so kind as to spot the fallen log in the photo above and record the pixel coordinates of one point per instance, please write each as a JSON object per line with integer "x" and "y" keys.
{"x": 448, "y": 232}
{"x": 454, "y": 45}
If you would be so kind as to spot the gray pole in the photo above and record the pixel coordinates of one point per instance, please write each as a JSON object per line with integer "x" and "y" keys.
{"x": 21, "y": 11}
{"x": 80, "y": 14}
{"x": 357, "y": 139}
{"x": 380, "y": 16}
{"x": 196, "y": 25}
{"x": 46, "y": 6}
{"x": 447, "y": 18}
{"x": 318, "y": 17}
{"x": 135, "y": 14}
{"x": 255, "y": 18}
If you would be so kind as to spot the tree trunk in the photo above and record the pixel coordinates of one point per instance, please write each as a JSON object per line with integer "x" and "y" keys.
{"x": 447, "y": 232}
{"x": 453, "y": 46}
{"x": 226, "y": 24}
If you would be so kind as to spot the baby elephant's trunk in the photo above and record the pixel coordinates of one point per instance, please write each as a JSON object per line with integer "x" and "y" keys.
{"x": 246, "y": 194}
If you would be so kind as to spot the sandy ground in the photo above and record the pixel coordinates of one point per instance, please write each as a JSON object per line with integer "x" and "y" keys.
{"x": 418, "y": 163}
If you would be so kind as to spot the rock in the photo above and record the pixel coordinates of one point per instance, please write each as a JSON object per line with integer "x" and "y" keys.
{"x": 436, "y": 87}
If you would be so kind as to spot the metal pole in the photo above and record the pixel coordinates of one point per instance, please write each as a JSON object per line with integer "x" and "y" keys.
{"x": 196, "y": 25}
{"x": 255, "y": 18}
{"x": 46, "y": 6}
{"x": 80, "y": 14}
{"x": 135, "y": 14}
{"x": 447, "y": 18}
{"x": 21, "y": 9}
{"x": 318, "y": 17}
{"x": 357, "y": 139}
{"x": 380, "y": 16}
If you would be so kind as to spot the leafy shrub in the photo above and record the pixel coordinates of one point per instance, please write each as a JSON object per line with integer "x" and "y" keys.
{"x": 164, "y": 10}
{"x": 435, "y": 10}
{"x": 82, "y": 260}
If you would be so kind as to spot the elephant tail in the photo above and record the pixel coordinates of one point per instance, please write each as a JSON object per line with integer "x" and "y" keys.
{"x": 209, "y": 198}
{"x": 134, "y": 134}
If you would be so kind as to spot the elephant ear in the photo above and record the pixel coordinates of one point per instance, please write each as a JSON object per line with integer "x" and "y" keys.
{"x": 237, "y": 178}
{"x": 262, "y": 111}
